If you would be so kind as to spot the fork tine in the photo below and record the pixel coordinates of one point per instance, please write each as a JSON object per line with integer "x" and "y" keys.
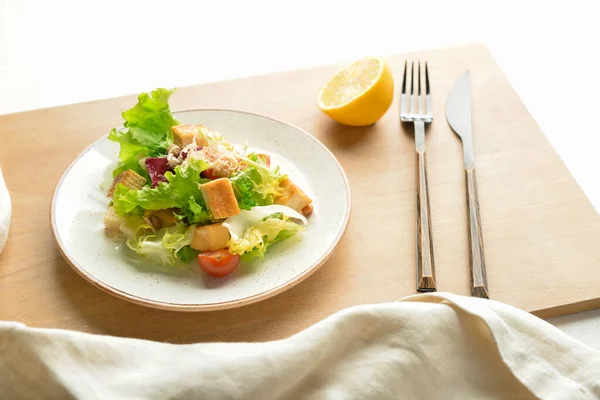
{"x": 419, "y": 102}
{"x": 429, "y": 109}
{"x": 403, "y": 95}
{"x": 412, "y": 87}
{"x": 404, "y": 77}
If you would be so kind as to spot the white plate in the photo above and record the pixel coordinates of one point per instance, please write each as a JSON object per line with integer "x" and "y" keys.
{"x": 80, "y": 201}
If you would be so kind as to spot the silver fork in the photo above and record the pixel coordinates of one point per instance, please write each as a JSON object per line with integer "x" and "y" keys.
{"x": 418, "y": 110}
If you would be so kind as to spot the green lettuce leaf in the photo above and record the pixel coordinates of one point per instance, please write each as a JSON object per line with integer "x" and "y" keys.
{"x": 146, "y": 132}
{"x": 162, "y": 246}
{"x": 253, "y": 231}
{"x": 187, "y": 254}
{"x": 129, "y": 156}
{"x": 256, "y": 185}
{"x": 180, "y": 191}
{"x": 244, "y": 186}
{"x": 257, "y": 239}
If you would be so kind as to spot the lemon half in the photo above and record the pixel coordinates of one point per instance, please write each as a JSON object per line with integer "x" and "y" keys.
{"x": 360, "y": 94}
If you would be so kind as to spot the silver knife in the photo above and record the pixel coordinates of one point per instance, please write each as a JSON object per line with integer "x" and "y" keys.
{"x": 458, "y": 114}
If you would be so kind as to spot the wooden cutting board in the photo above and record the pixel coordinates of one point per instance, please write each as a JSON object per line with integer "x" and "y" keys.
{"x": 541, "y": 233}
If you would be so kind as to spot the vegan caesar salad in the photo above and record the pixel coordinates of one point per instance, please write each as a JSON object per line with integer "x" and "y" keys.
{"x": 182, "y": 192}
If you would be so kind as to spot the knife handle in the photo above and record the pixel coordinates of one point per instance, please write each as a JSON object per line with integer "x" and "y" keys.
{"x": 425, "y": 263}
{"x": 479, "y": 285}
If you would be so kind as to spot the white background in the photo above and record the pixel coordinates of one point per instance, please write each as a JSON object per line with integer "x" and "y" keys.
{"x": 59, "y": 52}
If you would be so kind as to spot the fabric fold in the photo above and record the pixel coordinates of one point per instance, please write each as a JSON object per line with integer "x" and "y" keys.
{"x": 430, "y": 346}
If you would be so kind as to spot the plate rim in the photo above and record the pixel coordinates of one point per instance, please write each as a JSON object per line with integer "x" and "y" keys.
{"x": 212, "y": 306}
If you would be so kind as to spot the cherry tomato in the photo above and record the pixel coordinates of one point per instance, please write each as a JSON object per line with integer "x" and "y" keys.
{"x": 218, "y": 263}
{"x": 209, "y": 174}
{"x": 266, "y": 158}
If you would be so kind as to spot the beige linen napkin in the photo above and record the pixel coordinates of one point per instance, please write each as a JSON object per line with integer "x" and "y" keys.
{"x": 431, "y": 346}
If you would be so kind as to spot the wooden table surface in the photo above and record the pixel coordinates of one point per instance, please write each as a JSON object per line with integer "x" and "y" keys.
{"x": 542, "y": 235}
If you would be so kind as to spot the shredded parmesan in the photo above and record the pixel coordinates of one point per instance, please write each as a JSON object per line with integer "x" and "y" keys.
{"x": 222, "y": 160}
{"x": 173, "y": 161}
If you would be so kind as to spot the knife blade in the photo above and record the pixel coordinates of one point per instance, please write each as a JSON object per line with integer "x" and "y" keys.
{"x": 458, "y": 115}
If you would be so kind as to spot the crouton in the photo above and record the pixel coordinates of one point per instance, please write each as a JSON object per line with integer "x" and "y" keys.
{"x": 161, "y": 218}
{"x": 308, "y": 210}
{"x": 219, "y": 198}
{"x": 210, "y": 237}
{"x": 184, "y": 135}
{"x": 293, "y": 196}
{"x": 112, "y": 222}
{"x": 130, "y": 179}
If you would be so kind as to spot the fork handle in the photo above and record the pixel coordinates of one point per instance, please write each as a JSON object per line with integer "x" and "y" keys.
{"x": 425, "y": 264}
{"x": 479, "y": 285}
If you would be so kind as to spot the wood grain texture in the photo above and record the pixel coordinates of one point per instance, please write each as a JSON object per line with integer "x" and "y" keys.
{"x": 425, "y": 259}
{"x": 542, "y": 235}
{"x": 479, "y": 284}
